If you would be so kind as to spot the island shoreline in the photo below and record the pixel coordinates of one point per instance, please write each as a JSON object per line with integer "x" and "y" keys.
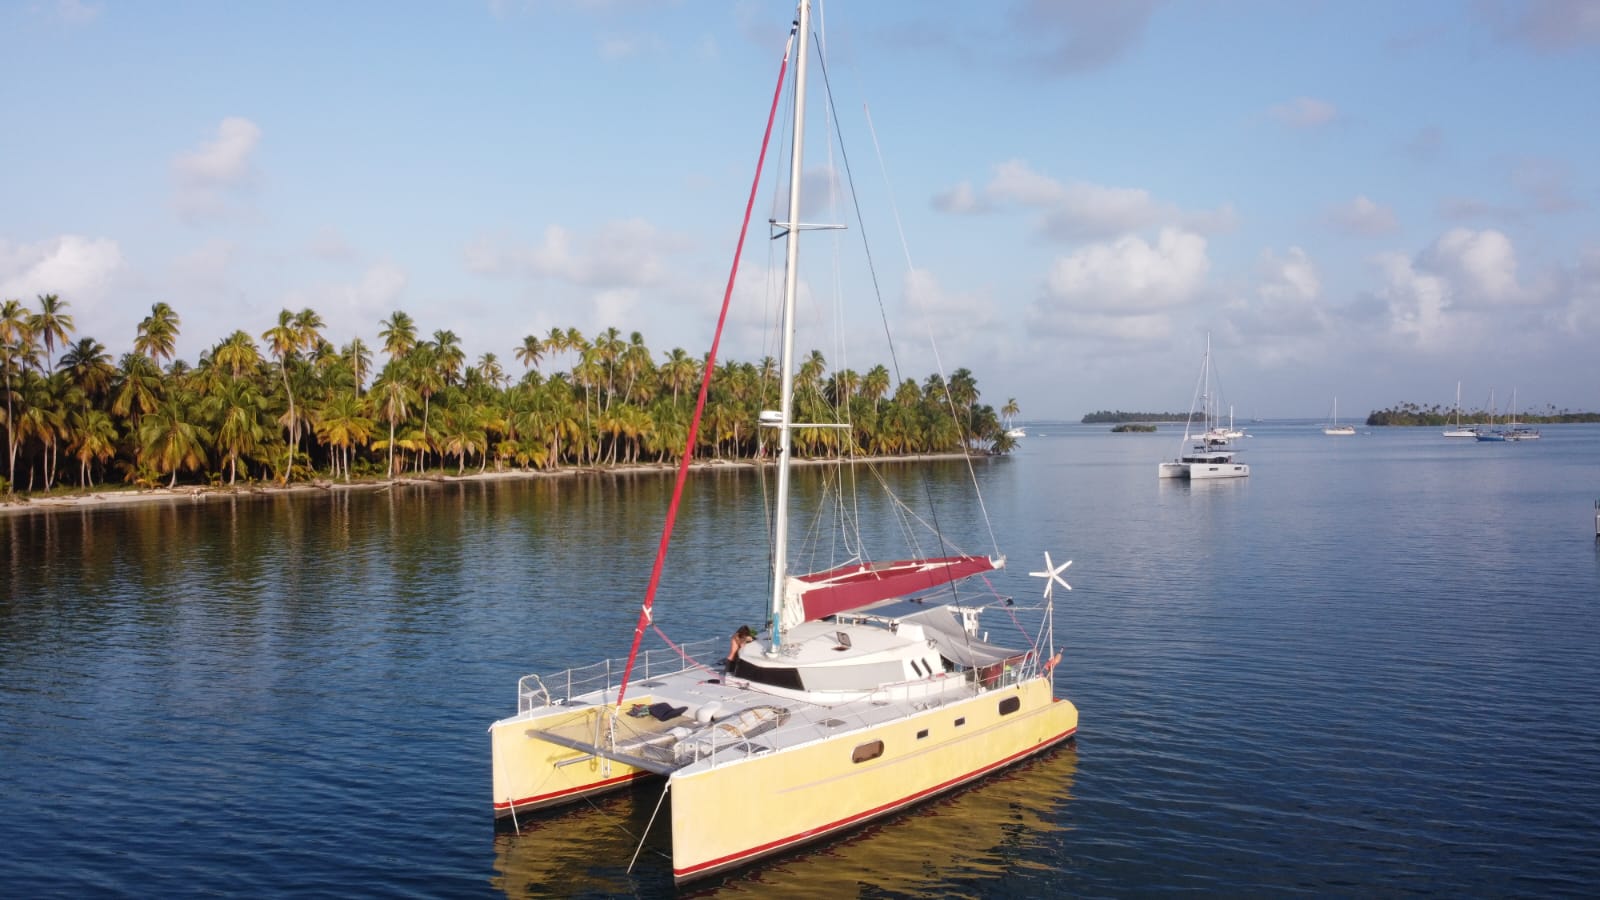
{"x": 113, "y": 498}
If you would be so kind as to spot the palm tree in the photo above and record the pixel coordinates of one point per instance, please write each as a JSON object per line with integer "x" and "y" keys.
{"x": 237, "y": 409}
{"x": 808, "y": 376}
{"x": 963, "y": 396}
{"x": 461, "y": 433}
{"x": 359, "y": 359}
{"x": 158, "y": 333}
{"x": 136, "y": 388}
{"x": 678, "y": 372}
{"x": 429, "y": 380}
{"x": 16, "y": 334}
{"x": 88, "y": 367}
{"x": 236, "y": 354}
{"x": 41, "y": 417}
{"x": 394, "y": 399}
{"x": 344, "y": 426}
{"x": 1011, "y": 410}
{"x": 308, "y": 330}
{"x": 489, "y": 367}
{"x": 399, "y": 334}
{"x": 531, "y": 351}
{"x": 170, "y": 441}
{"x": 283, "y": 339}
{"x": 875, "y": 384}
{"x": 51, "y": 324}
{"x": 448, "y": 355}
{"x": 94, "y": 439}
{"x": 635, "y": 363}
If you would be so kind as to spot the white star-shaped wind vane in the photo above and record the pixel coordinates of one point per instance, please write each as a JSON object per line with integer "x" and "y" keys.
{"x": 1052, "y": 575}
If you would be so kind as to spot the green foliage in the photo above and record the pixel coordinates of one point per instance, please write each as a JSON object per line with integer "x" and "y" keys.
{"x": 1104, "y": 417}
{"x": 1438, "y": 416}
{"x": 289, "y": 406}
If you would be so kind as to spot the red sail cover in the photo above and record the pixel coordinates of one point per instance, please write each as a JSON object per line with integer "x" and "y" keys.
{"x": 858, "y": 584}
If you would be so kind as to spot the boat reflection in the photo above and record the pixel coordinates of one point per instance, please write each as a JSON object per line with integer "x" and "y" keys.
{"x": 975, "y": 835}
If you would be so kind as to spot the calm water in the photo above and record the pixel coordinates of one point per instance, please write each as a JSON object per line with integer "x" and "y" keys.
{"x": 1369, "y": 669}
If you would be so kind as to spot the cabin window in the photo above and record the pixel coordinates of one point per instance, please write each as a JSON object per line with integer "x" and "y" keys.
{"x": 961, "y": 721}
{"x": 869, "y": 750}
{"x": 1010, "y": 705}
{"x": 922, "y": 734}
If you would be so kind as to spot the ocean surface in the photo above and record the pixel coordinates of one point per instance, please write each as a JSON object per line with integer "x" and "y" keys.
{"x": 1372, "y": 668}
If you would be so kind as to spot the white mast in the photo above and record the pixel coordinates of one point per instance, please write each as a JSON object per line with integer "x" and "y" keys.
{"x": 780, "y": 530}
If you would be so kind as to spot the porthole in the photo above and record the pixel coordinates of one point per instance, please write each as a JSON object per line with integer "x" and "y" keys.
{"x": 867, "y": 751}
{"x": 922, "y": 734}
{"x": 1010, "y": 705}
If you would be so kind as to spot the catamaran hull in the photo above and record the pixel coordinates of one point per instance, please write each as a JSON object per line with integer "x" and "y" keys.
{"x": 730, "y": 815}
{"x": 1204, "y": 471}
{"x": 532, "y": 773}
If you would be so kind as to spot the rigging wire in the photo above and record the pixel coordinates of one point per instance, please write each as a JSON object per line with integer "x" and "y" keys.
{"x": 645, "y": 608}
{"x": 878, "y": 290}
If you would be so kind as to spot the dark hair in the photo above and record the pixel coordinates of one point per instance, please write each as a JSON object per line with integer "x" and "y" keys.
{"x": 745, "y": 632}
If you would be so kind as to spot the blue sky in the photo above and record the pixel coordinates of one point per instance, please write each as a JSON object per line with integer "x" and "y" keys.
{"x": 1372, "y": 200}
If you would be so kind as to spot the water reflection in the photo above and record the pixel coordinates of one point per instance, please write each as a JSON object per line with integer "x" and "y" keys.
{"x": 975, "y": 837}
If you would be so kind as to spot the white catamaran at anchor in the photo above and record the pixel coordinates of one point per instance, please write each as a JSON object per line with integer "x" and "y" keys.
{"x": 872, "y": 685}
{"x": 1209, "y": 454}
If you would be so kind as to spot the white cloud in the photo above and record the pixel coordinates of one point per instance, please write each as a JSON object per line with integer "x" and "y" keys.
{"x": 631, "y": 253}
{"x": 1417, "y": 302}
{"x": 77, "y": 12}
{"x": 353, "y": 308}
{"x": 1362, "y": 216}
{"x": 209, "y": 175}
{"x": 1456, "y": 293}
{"x": 944, "y": 312}
{"x": 1080, "y": 35}
{"x": 1547, "y": 184}
{"x": 223, "y": 160}
{"x": 1480, "y": 267}
{"x": 1129, "y": 276}
{"x": 961, "y": 199}
{"x": 1081, "y": 325}
{"x": 330, "y": 244}
{"x": 205, "y": 269}
{"x": 1287, "y": 300}
{"x": 74, "y": 267}
{"x": 1304, "y": 112}
{"x": 1545, "y": 25}
{"x": 1078, "y": 210}
{"x": 84, "y": 272}
{"x": 615, "y": 47}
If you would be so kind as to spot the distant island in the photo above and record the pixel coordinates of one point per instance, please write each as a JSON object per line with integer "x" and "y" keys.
{"x": 1126, "y": 427}
{"x": 1104, "y": 417}
{"x": 1436, "y": 415}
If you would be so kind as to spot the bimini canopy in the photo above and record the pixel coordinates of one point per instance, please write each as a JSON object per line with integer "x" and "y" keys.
{"x": 944, "y": 629}
{"x": 822, "y": 594}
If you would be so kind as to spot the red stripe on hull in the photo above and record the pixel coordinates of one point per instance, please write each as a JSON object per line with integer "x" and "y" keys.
{"x": 576, "y": 793}
{"x": 750, "y": 855}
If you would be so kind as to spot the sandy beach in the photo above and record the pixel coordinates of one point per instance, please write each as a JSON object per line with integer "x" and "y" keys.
{"x": 201, "y": 493}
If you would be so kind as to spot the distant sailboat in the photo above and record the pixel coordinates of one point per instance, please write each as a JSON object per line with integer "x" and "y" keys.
{"x": 1489, "y": 432}
{"x": 1516, "y": 431}
{"x": 1334, "y": 427}
{"x": 1459, "y": 430}
{"x": 1208, "y": 454}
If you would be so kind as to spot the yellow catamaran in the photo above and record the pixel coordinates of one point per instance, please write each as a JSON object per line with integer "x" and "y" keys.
{"x": 872, "y": 686}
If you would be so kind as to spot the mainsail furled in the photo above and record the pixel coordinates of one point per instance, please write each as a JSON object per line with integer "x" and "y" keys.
{"x": 822, "y": 594}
